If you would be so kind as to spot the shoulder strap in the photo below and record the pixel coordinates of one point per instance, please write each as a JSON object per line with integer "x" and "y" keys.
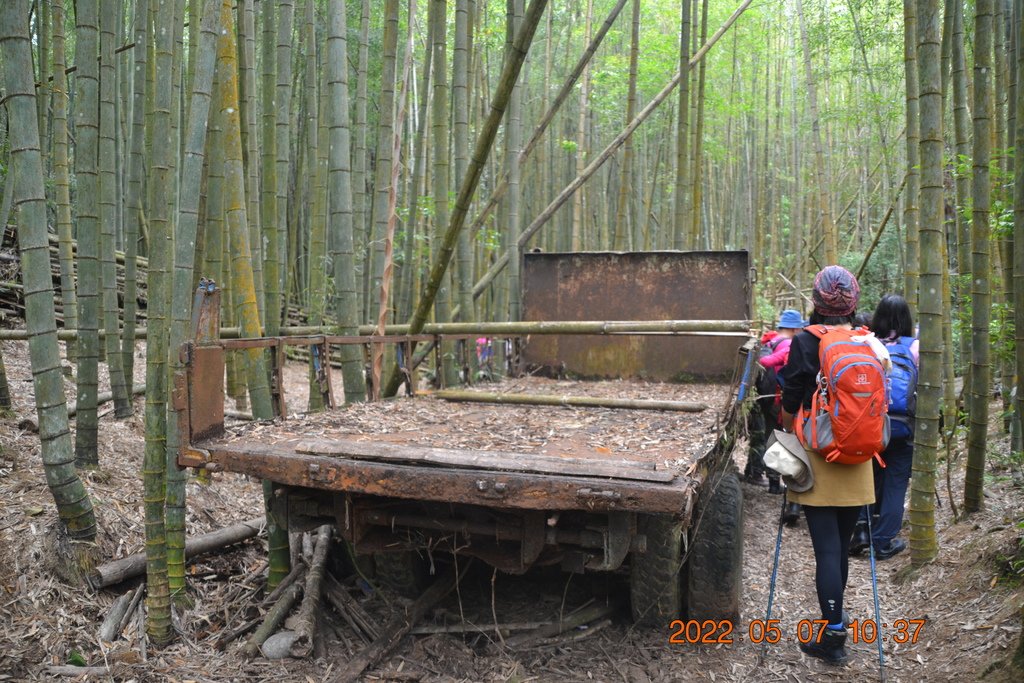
{"x": 818, "y": 331}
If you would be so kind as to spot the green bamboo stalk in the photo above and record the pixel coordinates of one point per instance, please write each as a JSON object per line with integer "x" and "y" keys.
{"x": 443, "y": 301}
{"x": 362, "y": 216}
{"x": 268, "y": 162}
{"x": 410, "y": 266}
{"x": 73, "y": 504}
{"x": 136, "y": 173}
{"x": 160, "y": 185}
{"x": 981, "y": 370}
{"x": 912, "y": 195}
{"x": 62, "y": 181}
{"x": 317, "y": 282}
{"x": 340, "y": 225}
{"x": 108, "y": 198}
{"x": 681, "y": 223}
{"x": 961, "y": 123}
{"x": 282, "y": 129}
{"x": 243, "y": 283}
{"x": 250, "y": 142}
{"x": 460, "y": 141}
{"x": 923, "y": 544}
{"x": 86, "y": 148}
{"x": 181, "y": 281}
{"x": 1018, "y": 227}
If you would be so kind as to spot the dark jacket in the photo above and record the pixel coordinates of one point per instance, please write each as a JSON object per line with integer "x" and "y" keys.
{"x": 799, "y": 375}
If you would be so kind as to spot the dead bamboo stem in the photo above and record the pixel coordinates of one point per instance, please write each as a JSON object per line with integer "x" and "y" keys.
{"x": 306, "y": 620}
{"x": 555, "y": 400}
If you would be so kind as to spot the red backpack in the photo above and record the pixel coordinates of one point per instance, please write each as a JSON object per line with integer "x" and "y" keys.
{"x": 848, "y": 421}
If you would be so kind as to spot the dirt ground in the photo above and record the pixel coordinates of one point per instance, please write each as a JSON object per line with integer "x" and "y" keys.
{"x": 972, "y": 611}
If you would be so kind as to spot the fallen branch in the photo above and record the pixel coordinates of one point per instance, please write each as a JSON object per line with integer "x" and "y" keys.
{"x": 576, "y": 636}
{"x": 350, "y": 610}
{"x": 71, "y": 670}
{"x": 134, "y": 565}
{"x": 105, "y": 396}
{"x": 136, "y": 599}
{"x": 306, "y": 620}
{"x": 399, "y": 626}
{"x": 584, "y": 616}
{"x": 553, "y": 400}
{"x": 114, "y": 617}
{"x": 274, "y": 617}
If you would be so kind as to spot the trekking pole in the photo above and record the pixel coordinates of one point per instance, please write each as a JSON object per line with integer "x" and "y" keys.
{"x": 775, "y": 572}
{"x": 874, "y": 589}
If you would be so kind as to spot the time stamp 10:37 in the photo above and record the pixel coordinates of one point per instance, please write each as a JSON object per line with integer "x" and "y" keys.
{"x": 723, "y": 631}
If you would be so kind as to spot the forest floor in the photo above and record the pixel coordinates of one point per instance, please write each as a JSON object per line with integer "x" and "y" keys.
{"x": 971, "y": 602}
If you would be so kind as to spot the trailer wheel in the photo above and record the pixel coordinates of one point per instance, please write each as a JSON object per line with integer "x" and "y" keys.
{"x": 403, "y": 571}
{"x": 654, "y": 577}
{"x": 715, "y": 564}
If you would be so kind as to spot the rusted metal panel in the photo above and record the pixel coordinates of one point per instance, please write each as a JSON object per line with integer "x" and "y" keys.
{"x": 414, "y": 482}
{"x": 206, "y": 392}
{"x": 661, "y": 285}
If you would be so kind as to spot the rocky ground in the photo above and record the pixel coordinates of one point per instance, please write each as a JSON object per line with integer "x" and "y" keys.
{"x": 968, "y": 597}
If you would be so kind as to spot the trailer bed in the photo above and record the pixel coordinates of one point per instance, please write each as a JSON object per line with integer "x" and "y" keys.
{"x": 528, "y": 457}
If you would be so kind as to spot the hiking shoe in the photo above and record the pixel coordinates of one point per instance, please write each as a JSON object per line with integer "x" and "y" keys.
{"x": 861, "y": 540}
{"x": 792, "y": 514}
{"x": 830, "y": 650}
{"x": 755, "y": 478}
{"x": 896, "y": 545}
{"x": 775, "y": 486}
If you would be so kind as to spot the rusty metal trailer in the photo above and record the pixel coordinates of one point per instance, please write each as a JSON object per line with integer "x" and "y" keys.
{"x": 395, "y": 480}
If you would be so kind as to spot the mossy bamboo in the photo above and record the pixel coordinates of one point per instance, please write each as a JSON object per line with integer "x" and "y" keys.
{"x": 86, "y": 185}
{"x": 154, "y": 464}
{"x": 73, "y": 504}
{"x": 182, "y": 278}
{"x": 282, "y": 149}
{"x": 923, "y": 545}
{"x": 242, "y": 281}
{"x": 268, "y": 164}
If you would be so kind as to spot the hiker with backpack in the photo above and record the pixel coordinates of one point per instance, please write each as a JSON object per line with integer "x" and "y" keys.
{"x": 841, "y": 430}
{"x": 764, "y": 414}
{"x": 893, "y": 324}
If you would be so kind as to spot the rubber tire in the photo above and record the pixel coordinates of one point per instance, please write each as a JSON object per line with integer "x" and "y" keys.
{"x": 655, "y": 588}
{"x": 403, "y": 571}
{"x": 715, "y": 566}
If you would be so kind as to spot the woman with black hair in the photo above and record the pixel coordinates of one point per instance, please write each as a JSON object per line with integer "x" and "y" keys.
{"x": 831, "y": 506}
{"x": 894, "y": 325}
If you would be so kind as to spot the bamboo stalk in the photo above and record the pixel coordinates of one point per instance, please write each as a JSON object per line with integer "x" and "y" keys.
{"x": 306, "y": 618}
{"x": 274, "y": 617}
{"x": 598, "y": 327}
{"x": 125, "y": 568}
{"x": 554, "y": 400}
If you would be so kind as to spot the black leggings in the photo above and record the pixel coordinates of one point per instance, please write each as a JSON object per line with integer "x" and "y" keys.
{"x": 831, "y": 529}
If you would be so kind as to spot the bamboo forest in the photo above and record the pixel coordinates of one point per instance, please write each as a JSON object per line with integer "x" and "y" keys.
{"x": 507, "y": 340}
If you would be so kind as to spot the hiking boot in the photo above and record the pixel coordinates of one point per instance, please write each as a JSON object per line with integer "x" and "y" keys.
{"x": 792, "y": 514}
{"x": 775, "y": 486}
{"x": 896, "y": 545}
{"x": 861, "y": 540}
{"x": 831, "y": 649}
{"x": 755, "y": 478}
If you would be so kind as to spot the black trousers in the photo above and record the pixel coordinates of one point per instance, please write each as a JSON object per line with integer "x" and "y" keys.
{"x": 831, "y": 529}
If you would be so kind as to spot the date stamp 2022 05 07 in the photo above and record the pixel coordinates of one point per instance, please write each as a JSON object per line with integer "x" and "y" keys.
{"x": 724, "y": 632}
